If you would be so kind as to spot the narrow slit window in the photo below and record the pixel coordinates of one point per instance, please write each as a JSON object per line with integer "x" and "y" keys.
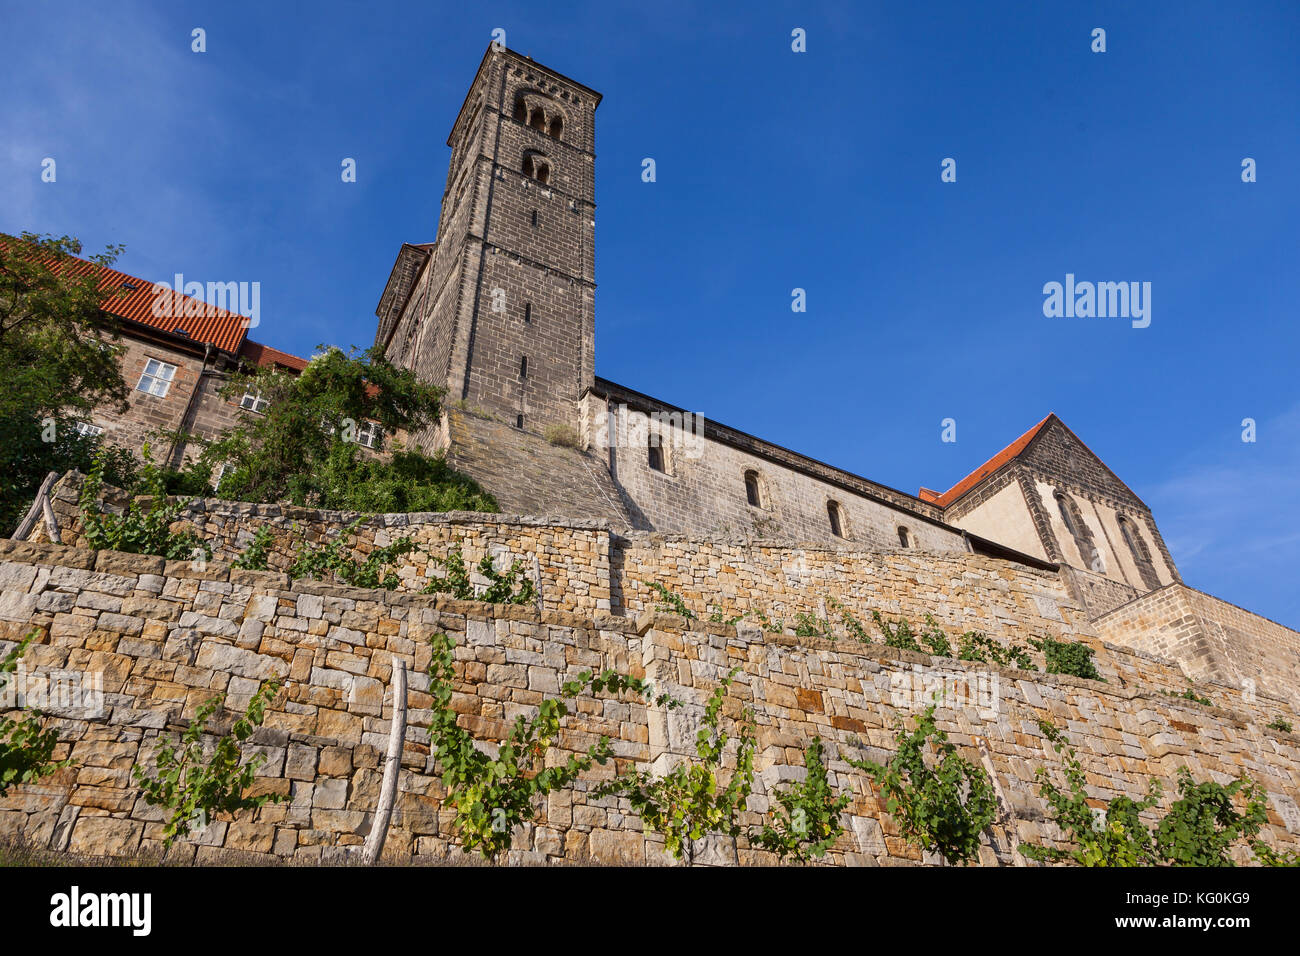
{"x": 836, "y": 520}
{"x": 523, "y": 367}
{"x": 752, "y": 490}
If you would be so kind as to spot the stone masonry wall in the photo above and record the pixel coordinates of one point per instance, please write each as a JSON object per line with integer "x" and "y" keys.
{"x": 166, "y": 636}
{"x": 583, "y": 567}
{"x": 1215, "y": 640}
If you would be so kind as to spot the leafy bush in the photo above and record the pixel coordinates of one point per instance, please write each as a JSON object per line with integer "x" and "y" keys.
{"x": 26, "y": 751}
{"x": 974, "y": 646}
{"x": 138, "y": 531}
{"x": 942, "y": 808}
{"x": 810, "y": 625}
{"x": 809, "y": 820}
{"x": 689, "y": 801}
{"x": 898, "y": 635}
{"x": 1204, "y": 822}
{"x": 1067, "y": 657}
{"x": 1279, "y": 723}
{"x": 851, "y": 623}
{"x": 376, "y": 570}
{"x": 195, "y": 787}
{"x": 256, "y": 552}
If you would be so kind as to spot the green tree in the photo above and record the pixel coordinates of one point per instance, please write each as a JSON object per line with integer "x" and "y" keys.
{"x": 305, "y": 447}
{"x": 58, "y": 361}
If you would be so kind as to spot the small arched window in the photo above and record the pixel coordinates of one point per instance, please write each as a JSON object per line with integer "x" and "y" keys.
{"x": 904, "y": 537}
{"x": 1064, "y": 507}
{"x": 536, "y": 166}
{"x": 557, "y": 126}
{"x": 752, "y": 493}
{"x": 521, "y": 111}
{"x": 836, "y": 516}
{"x": 656, "y": 457}
{"x": 538, "y": 119}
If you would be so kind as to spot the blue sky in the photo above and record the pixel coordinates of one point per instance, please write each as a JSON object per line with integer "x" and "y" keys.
{"x": 775, "y": 170}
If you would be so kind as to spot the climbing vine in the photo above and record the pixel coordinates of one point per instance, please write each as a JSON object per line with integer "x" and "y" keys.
{"x": 193, "y": 787}
{"x": 808, "y": 822}
{"x": 377, "y": 570}
{"x": 941, "y": 806}
{"x": 1197, "y": 830}
{"x": 26, "y": 751}
{"x": 512, "y": 586}
{"x": 670, "y": 601}
{"x": 492, "y": 794}
{"x": 689, "y": 801}
{"x": 255, "y": 555}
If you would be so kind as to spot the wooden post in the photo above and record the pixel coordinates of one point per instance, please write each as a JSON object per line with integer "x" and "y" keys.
{"x": 537, "y": 582}
{"x": 1006, "y": 817}
{"x": 392, "y": 767}
{"x": 40, "y": 503}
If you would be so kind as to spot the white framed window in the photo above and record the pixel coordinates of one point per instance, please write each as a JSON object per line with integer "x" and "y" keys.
{"x": 368, "y": 434}
{"x": 88, "y": 430}
{"x": 156, "y": 378}
{"x": 225, "y": 469}
{"x": 253, "y": 401}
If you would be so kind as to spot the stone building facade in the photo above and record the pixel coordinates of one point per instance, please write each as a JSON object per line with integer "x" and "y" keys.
{"x": 500, "y": 311}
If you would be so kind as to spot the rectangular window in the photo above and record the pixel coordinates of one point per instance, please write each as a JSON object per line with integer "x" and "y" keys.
{"x": 157, "y": 378}
{"x": 523, "y": 367}
{"x": 88, "y": 430}
{"x": 253, "y": 401}
{"x": 368, "y": 434}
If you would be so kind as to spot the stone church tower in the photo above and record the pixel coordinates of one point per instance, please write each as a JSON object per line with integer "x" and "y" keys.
{"x": 501, "y": 308}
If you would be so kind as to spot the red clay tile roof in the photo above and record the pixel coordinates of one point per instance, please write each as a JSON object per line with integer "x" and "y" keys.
{"x": 264, "y": 355}
{"x": 143, "y": 302}
{"x": 984, "y": 470}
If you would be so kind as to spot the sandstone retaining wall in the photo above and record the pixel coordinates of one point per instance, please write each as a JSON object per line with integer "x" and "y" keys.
{"x": 165, "y": 636}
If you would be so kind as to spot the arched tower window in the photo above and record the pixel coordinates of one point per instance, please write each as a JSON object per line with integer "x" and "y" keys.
{"x": 536, "y": 166}
{"x": 1074, "y": 524}
{"x": 753, "y": 493}
{"x": 836, "y": 516}
{"x": 1141, "y": 554}
{"x": 540, "y": 112}
{"x": 904, "y": 537}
